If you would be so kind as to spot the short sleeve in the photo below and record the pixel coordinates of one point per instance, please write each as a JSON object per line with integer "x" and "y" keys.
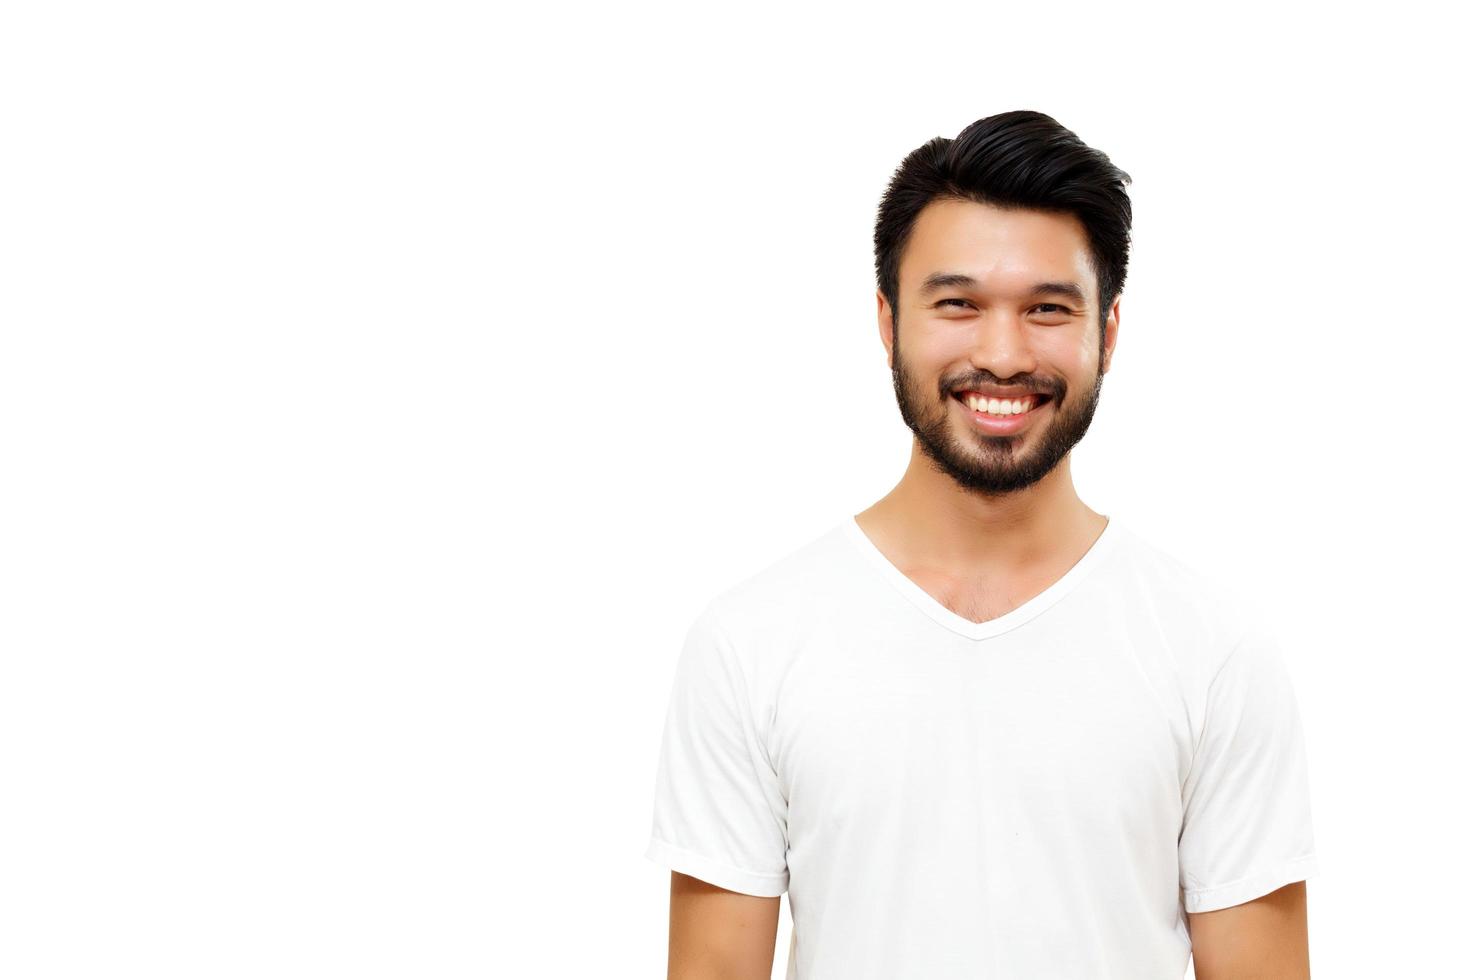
{"x": 719, "y": 814}
{"x": 1247, "y": 823}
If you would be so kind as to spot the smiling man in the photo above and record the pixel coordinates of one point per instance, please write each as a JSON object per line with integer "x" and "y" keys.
{"x": 979, "y": 730}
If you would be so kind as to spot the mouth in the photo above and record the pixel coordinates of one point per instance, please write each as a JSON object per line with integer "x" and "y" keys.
{"x": 1001, "y": 415}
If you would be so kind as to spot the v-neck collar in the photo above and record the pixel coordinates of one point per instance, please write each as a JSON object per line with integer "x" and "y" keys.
{"x": 947, "y": 617}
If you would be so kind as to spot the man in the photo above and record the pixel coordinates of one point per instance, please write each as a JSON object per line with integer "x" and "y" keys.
{"x": 980, "y": 730}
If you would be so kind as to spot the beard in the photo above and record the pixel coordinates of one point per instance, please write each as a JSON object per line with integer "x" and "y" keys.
{"x": 993, "y": 465}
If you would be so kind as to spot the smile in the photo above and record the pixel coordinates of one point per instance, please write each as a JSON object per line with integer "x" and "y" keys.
{"x": 1001, "y": 415}
{"x": 1001, "y": 407}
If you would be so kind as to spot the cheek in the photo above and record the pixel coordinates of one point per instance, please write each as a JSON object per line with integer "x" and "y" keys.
{"x": 1074, "y": 355}
{"x": 927, "y": 354}
{"x": 938, "y": 351}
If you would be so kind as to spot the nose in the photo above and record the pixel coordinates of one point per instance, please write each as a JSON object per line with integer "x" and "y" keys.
{"x": 1002, "y": 346}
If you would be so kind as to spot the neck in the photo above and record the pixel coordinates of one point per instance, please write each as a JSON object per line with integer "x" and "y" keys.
{"x": 934, "y": 517}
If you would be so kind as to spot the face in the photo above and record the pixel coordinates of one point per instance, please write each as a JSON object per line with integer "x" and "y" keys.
{"x": 1005, "y": 303}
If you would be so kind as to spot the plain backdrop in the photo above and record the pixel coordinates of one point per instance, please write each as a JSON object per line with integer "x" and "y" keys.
{"x": 386, "y": 386}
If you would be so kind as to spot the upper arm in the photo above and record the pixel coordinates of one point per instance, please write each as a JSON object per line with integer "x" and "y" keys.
{"x": 717, "y": 933}
{"x": 720, "y": 812}
{"x": 1247, "y": 820}
{"x": 1265, "y": 938}
{"x": 719, "y": 820}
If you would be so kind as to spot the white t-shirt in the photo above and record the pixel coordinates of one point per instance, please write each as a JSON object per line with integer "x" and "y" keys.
{"x": 1043, "y": 795}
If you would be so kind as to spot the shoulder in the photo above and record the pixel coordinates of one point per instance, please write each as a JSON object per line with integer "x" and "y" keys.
{"x": 798, "y": 578}
{"x": 764, "y": 617}
{"x": 1197, "y": 609}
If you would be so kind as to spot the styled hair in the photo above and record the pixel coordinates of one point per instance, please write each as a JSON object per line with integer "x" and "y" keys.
{"x": 1019, "y": 159}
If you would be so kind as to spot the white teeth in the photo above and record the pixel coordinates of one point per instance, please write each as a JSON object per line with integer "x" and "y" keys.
{"x": 1000, "y": 406}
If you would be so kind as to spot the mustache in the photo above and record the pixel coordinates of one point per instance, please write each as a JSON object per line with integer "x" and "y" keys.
{"x": 1033, "y": 386}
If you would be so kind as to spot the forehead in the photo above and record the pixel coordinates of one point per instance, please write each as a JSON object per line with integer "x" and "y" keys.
{"x": 1007, "y": 250}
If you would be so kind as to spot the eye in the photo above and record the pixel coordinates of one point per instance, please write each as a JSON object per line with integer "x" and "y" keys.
{"x": 1054, "y": 306}
{"x": 952, "y": 300}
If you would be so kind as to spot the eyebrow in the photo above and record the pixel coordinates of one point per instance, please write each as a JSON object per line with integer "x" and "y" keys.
{"x": 942, "y": 280}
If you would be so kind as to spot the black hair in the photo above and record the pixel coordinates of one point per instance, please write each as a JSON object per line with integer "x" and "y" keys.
{"x": 1018, "y": 159}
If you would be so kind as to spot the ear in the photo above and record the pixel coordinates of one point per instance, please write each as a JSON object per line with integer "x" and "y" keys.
{"x": 885, "y": 326}
{"x": 1111, "y": 334}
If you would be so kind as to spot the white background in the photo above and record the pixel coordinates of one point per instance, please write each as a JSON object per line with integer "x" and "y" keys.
{"x": 384, "y": 388}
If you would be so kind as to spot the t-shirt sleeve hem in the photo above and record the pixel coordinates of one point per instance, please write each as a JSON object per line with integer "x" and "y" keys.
{"x": 766, "y": 884}
{"x": 1251, "y": 887}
